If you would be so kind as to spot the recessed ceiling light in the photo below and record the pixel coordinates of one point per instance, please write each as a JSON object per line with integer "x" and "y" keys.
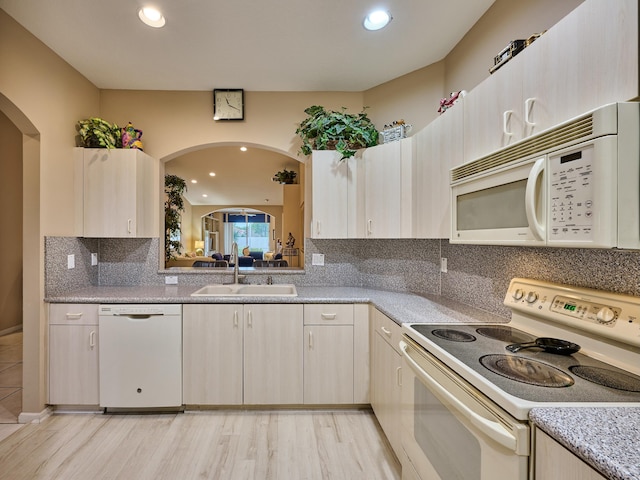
{"x": 377, "y": 19}
{"x": 212, "y": 174}
{"x": 205, "y": 195}
{"x": 194, "y": 181}
{"x": 243, "y": 149}
{"x": 152, "y": 17}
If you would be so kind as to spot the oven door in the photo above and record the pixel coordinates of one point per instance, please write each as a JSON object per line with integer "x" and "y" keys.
{"x": 505, "y": 207}
{"x": 452, "y": 431}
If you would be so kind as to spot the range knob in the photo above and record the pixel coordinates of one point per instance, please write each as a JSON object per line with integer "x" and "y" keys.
{"x": 532, "y": 297}
{"x": 518, "y": 294}
{"x": 605, "y": 315}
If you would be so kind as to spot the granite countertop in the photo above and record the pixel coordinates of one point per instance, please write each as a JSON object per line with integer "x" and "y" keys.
{"x": 605, "y": 438}
{"x": 401, "y": 307}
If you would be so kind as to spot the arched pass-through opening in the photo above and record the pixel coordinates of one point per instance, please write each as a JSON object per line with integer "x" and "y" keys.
{"x": 234, "y": 175}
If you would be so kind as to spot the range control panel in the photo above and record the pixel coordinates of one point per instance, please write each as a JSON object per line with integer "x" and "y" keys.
{"x": 605, "y": 314}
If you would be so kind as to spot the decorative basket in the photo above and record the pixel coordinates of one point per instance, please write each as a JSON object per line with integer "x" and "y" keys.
{"x": 393, "y": 134}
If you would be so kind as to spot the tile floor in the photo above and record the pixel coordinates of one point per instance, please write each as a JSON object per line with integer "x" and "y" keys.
{"x": 10, "y": 377}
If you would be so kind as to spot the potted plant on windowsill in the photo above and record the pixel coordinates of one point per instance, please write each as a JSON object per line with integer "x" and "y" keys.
{"x": 331, "y": 130}
{"x": 286, "y": 177}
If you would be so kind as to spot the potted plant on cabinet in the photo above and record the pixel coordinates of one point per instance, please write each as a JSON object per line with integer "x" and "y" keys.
{"x": 174, "y": 187}
{"x": 98, "y": 133}
{"x": 331, "y": 130}
{"x": 285, "y": 176}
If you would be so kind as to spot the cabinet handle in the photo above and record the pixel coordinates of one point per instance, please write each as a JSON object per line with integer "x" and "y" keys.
{"x": 129, "y": 225}
{"x": 310, "y": 340}
{"x": 399, "y": 376}
{"x": 250, "y": 318}
{"x": 385, "y": 331}
{"x": 74, "y": 316}
{"x": 528, "y": 107}
{"x": 369, "y": 226}
{"x": 505, "y": 120}
{"x": 318, "y": 227}
{"x": 92, "y": 339}
{"x": 328, "y": 316}
{"x": 235, "y": 318}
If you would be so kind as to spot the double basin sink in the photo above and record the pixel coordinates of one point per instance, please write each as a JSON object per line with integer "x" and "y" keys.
{"x": 239, "y": 290}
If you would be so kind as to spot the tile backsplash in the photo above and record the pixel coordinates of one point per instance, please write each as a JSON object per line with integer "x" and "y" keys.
{"x": 477, "y": 275}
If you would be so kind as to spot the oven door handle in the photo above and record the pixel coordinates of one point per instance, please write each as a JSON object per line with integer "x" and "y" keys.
{"x": 493, "y": 429}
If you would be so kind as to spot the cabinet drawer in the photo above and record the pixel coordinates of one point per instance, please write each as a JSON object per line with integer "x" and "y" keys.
{"x": 389, "y": 330}
{"x": 328, "y": 314}
{"x": 73, "y": 314}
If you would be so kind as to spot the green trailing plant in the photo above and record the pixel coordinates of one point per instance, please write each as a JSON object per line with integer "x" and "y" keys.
{"x": 331, "y": 130}
{"x": 98, "y": 133}
{"x": 285, "y": 176}
{"x": 174, "y": 187}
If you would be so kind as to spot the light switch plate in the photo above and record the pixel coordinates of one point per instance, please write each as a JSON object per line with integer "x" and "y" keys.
{"x": 94, "y": 259}
{"x": 71, "y": 261}
{"x": 317, "y": 259}
{"x": 443, "y": 265}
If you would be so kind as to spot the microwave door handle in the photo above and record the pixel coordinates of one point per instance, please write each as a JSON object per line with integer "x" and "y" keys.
{"x": 494, "y": 430}
{"x": 537, "y": 228}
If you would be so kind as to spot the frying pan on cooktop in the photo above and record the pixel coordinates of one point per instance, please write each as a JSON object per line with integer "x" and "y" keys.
{"x": 549, "y": 345}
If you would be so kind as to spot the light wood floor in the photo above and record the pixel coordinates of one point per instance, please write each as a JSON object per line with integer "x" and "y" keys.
{"x": 234, "y": 445}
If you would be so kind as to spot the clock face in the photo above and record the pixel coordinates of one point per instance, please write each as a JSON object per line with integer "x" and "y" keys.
{"x": 228, "y": 104}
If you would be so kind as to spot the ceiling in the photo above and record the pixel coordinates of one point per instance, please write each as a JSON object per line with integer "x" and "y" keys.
{"x": 281, "y": 45}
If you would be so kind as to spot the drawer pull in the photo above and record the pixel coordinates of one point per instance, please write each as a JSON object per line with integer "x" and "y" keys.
{"x": 328, "y": 316}
{"x": 74, "y": 316}
{"x": 386, "y": 331}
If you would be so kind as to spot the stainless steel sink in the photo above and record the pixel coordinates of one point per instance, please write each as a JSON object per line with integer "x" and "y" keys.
{"x": 235, "y": 290}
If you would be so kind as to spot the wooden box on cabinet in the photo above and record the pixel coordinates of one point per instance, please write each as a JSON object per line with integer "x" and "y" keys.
{"x": 117, "y": 193}
{"x": 73, "y": 354}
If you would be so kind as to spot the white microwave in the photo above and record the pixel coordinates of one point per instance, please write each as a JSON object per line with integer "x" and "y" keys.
{"x": 575, "y": 185}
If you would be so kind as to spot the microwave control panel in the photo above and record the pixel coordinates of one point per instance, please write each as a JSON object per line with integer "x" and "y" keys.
{"x": 571, "y": 195}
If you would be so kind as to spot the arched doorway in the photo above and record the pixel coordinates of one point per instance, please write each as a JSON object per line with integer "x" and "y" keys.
{"x": 33, "y": 309}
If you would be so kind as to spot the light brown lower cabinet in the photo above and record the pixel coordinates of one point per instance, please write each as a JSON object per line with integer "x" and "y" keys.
{"x": 386, "y": 377}
{"x": 73, "y": 354}
{"x": 554, "y": 462}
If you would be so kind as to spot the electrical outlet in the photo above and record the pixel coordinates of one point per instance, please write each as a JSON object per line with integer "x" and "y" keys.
{"x": 443, "y": 265}
{"x": 94, "y": 259}
{"x": 71, "y": 261}
{"x": 317, "y": 259}
{"x": 171, "y": 280}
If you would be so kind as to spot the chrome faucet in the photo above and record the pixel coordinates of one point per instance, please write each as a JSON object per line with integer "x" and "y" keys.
{"x": 236, "y": 265}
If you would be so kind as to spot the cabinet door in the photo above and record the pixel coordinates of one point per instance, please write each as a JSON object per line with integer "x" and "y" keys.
{"x": 328, "y": 364}
{"x": 212, "y": 354}
{"x": 333, "y": 181}
{"x": 439, "y": 147}
{"x": 273, "y": 355}
{"x": 73, "y": 365}
{"x": 385, "y": 389}
{"x": 554, "y": 462}
{"x": 570, "y": 71}
{"x": 120, "y": 193}
{"x": 493, "y": 111}
{"x": 388, "y": 200}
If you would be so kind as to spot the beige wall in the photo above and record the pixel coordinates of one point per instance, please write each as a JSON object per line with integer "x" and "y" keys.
{"x": 11, "y": 240}
{"x": 44, "y": 97}
{"x": 178, "y": 122}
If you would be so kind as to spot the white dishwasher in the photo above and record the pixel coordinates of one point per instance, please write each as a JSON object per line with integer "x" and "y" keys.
{"x": 140, "y": 356}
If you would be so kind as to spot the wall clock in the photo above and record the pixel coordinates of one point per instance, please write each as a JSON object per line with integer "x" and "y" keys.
{"x": 228, "y": 104}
